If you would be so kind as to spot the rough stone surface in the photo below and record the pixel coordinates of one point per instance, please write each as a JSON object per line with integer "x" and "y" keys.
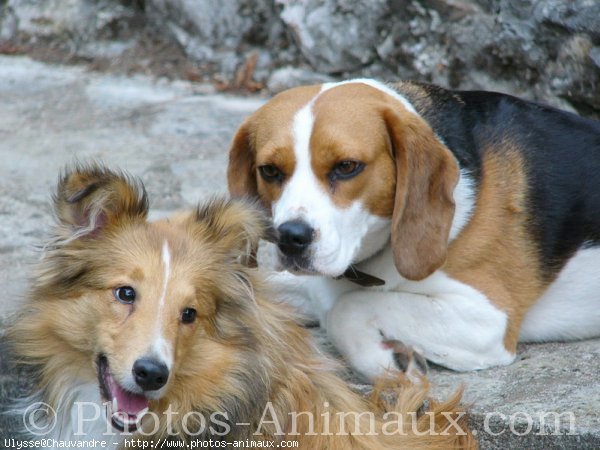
{"x": 548, "y": 50}
{"x": 175, "y": 135}
{"x": 88, "y": 28}
{"x": 221, "y": 32}
{"x": 348, "y": 28}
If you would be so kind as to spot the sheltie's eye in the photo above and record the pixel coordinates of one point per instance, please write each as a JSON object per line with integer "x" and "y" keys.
{"x": 125, "y": 294}
{"x": 188, "y": 315}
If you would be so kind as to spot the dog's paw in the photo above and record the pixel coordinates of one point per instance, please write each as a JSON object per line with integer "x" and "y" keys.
{"x": 407, "y": 360}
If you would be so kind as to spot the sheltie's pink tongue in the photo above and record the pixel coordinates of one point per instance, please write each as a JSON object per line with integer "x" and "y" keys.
{"x": 127, "y": 402}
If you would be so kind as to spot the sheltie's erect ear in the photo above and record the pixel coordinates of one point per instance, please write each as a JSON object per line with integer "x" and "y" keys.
{"x": 91, "y": 197}
{"x": 238, "y": 225}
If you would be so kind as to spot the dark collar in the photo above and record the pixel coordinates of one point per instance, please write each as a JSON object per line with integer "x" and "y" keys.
{"x": 361, "y": 278}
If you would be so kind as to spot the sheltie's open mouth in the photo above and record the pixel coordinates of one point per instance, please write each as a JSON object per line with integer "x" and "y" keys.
{"x": 127, "y": 407}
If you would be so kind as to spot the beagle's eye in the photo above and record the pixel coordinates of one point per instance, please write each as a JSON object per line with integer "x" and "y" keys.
{"x": 270, "y": 173}
{"x": 345, "y": 170}
{"x": 125, "y": 294}
{"x": 188, "y": 315}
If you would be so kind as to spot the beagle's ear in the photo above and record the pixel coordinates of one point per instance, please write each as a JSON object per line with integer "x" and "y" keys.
{"x": 237, "y": 225}
{"x": 241, "y": 176}
{"x": 91, "y": 197}
{"x": 426, "y": 175}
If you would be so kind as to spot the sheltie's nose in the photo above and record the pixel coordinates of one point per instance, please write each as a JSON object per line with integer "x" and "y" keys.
{"x": 150, "y": 374}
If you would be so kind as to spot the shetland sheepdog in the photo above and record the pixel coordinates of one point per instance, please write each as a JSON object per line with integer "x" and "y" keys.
{"x": 164, "y": 328}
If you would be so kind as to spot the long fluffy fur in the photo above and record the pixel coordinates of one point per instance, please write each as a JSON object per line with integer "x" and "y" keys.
{"x": 245, "y": 351}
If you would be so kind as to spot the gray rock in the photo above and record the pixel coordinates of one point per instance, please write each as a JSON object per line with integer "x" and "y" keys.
{"x": 201, "y": 27}
{"x": 8, "y": 23}
{"x": 219, "y": 32}
{"x": 546, "y": 50}
{"x": 335, "y": 35}
{"x": 85, "y": 28}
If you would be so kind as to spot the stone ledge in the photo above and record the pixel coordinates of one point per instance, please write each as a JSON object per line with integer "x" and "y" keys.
{"x": 559, "y": 378}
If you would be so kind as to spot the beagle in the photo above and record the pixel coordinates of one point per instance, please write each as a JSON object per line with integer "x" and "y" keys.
{"x": 458, "y": 223}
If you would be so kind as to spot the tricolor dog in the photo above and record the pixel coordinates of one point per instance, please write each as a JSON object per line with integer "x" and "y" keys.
{"x": 458, "y": 223}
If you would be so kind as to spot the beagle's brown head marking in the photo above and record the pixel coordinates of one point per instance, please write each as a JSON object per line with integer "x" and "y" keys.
{"x": 266, "y": 131}
{"x": 407, "y": 175}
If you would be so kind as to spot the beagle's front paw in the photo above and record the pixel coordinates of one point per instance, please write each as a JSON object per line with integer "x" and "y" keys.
{"x": 407, "y": 360}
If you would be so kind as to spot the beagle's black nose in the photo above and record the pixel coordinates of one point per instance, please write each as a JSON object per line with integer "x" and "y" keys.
{"x": 150, "y": 374}
{"x": 295, "y": 237}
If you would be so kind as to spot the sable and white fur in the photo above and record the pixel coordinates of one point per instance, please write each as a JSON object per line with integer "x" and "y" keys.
{"x": 79, "y": 334}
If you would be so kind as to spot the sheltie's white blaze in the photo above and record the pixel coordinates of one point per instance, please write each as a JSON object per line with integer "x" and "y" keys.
{"x": 166, "y": 260}
{"x": 161, "y": 347}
